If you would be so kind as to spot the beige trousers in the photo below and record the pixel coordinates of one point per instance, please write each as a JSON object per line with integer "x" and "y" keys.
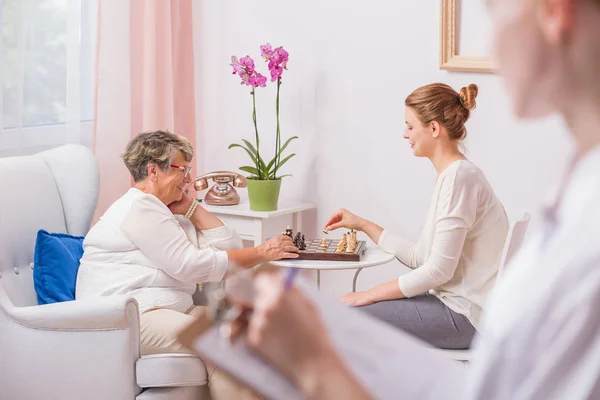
{"x": 158, "y": 331}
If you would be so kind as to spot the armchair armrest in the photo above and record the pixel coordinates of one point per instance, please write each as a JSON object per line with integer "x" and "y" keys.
{"x": 77, "y": 348}
{"x": 102, "y": 313}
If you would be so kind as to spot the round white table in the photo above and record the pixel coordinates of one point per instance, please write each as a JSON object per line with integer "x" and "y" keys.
{"x": 373, "y": 256}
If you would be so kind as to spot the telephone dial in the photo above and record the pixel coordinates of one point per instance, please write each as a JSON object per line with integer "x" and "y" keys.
{"x": 222, "y": 192}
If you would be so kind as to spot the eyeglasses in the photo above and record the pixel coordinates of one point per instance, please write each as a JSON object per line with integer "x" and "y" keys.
{"x": 186, "y": 170}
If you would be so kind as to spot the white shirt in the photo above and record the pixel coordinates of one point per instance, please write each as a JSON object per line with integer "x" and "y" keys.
{"x": 541, "y": 332}
{"x": 139, "y": 248}
{"x": 459, "y": 251}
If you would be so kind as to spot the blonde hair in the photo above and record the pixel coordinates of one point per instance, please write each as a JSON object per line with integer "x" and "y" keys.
{"x": 439, "y": 102}
{"x": 156, "y": 147}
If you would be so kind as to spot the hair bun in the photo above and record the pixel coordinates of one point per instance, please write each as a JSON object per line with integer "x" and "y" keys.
{"x": 468, "y": 95}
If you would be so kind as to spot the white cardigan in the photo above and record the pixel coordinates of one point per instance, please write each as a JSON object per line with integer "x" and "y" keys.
{"x": 139, "y": 248}
{"x": 458, "y": 254}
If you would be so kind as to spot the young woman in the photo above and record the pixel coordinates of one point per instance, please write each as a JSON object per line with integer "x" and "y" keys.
{"x": 456, "y": 259}
{"x": 540, "y": 337}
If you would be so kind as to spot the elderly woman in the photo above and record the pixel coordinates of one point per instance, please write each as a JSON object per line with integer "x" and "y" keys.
{"x": 156, "y": 243}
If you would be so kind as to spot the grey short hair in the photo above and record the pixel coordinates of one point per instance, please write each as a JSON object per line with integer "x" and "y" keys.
{"x": 158, "y": 148}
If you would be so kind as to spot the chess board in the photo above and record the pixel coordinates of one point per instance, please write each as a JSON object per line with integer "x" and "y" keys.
{"x": 314, "y": 251}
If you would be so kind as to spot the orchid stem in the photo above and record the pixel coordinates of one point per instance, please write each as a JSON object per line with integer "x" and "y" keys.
{"x": 256, "y": 134}
{"x": 278, "y": 138}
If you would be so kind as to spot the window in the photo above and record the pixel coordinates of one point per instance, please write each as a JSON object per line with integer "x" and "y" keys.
{"x": 46, "y": 73}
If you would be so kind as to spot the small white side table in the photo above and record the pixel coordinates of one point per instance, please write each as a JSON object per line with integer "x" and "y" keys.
{"x": 258, "y": 226}
{"x": 373, "y": 256}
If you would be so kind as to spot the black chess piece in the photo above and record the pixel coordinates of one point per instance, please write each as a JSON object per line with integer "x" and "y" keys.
{"x": 302, "y": 244}
{"x": 297, "y": 239}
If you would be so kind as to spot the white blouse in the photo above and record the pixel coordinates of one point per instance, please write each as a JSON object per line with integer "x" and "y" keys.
{"x": 458, "y": 254}
{"x": 139, "y": 248}
{"x": 540, "y": 337}
{"x": 540, "y": 334}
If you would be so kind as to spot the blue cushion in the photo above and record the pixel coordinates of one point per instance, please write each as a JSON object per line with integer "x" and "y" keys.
{"x": 56, "y": 261}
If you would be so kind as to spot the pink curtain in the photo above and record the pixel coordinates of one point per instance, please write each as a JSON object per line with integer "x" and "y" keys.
{"x": 144, "y": 81}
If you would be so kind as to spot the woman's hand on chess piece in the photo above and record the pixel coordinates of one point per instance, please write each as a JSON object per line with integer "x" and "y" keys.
{"x": 278, "y": 247}
{"x": 344, "y": 219}
{"x": 357, "y": 299}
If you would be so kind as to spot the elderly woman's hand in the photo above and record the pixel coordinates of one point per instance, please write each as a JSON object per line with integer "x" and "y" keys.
{"x": 278, "y": 247}
{"x": 180, "y": 207}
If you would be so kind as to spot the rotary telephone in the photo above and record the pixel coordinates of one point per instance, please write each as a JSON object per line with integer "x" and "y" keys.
{"x": 222, "y": 192}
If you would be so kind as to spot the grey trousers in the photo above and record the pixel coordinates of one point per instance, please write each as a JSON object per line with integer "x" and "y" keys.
{"x": 427, "y": 318}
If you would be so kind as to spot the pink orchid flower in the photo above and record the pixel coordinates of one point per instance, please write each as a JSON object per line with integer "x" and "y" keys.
{"x": 245, "y": 78}
{"x": 248, "y": 63}
{"x": 276, "y": 72}
{"x": 257, "y": 80}
{"x": 237, "y": 68}
{"x": 245, "y": 69}
{"x": 277, "y": 59}
{"x": 281, "y": 57}
{"x": 266, "y": 51}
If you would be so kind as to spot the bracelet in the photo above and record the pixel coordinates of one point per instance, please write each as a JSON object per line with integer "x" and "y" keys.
{"x": 190, "y": 211}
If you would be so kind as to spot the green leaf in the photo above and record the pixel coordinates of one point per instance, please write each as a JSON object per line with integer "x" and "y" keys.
{"x": 252, "y": 157}
{"x": 271, "y": 164}
{"x": 250, "y": 170}
{"x": 250, "y": 146}
{"x": 287, "y": 142}
{"x": 283, "y": 176}
{"x": 263, "y": 167}
{"x": 285, "y": 145}
{"x": 285, "y": 160}
{"x": 251, "y": 149}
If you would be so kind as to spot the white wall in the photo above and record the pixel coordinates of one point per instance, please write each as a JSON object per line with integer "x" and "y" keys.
{"x": 352, "y": 63}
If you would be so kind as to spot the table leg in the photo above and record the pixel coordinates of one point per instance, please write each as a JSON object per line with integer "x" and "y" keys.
{"x": 319, "y": 279}
{"x": 296, "y": 222}
{"x": 259, "y": 232}
{"x": 354, "y": 280}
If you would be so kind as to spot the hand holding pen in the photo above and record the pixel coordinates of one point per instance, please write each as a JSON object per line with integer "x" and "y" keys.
{"x": 283, "y": 325}
{"x": 239, "y": 324}
{"x": 285, "y": 328}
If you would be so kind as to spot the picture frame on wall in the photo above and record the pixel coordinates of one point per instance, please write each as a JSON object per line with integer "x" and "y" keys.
{"x": 450, "y": 60}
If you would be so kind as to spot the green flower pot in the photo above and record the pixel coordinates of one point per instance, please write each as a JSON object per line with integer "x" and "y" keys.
{"x": 263, "y": 195}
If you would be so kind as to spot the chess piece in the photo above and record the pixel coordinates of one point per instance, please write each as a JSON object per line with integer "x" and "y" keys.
{"x": 352, "y": 242}
{"x": 323, "y": 243}
{"x": 302, "y": 244}
{"x": 341, "y": 247}
{"x": 288, "y": 232}
{"x": 297, "y": 239}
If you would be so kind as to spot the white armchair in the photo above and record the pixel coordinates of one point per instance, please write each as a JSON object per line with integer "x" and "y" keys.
{"x": 84, "y": 349}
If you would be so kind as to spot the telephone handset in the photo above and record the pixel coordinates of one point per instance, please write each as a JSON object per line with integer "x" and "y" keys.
{"x": 222, "y": 193}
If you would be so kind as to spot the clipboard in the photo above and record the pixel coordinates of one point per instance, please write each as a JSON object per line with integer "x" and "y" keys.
{"x": 388, "y": 362}
{"x": 204, "y": 339}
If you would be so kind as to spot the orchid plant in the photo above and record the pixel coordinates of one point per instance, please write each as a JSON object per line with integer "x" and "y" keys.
{"x": 244, "y": 67}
